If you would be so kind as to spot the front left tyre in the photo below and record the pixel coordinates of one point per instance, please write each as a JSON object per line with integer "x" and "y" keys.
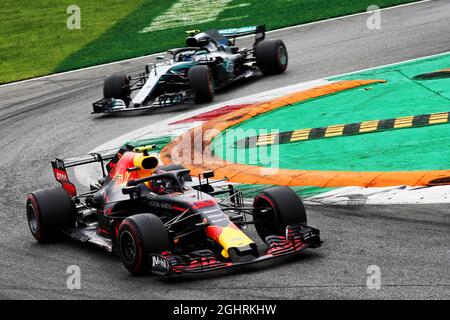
{"x": 276, "y": 208}
{"x": 117, "y": 86}
{"x": 139, "y": 236}
{"x": 49, "y": 212}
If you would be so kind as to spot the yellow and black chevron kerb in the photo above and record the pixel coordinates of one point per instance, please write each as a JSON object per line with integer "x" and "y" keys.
{"x": 345, "y": 130}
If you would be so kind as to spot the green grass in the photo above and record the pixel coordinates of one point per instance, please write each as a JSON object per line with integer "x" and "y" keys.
{"x": 35, "y": 40}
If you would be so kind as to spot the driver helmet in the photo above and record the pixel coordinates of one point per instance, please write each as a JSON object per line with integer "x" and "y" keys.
{"x": 185, "y": 56}
{"x": 156, "y": 187}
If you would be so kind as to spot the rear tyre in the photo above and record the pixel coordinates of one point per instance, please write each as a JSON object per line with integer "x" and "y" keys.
{"x": 201, "y": 83}
{"x": 139, "y": 236}
{"x": 49, "y": 211}
{"x": 117, "y": 86}
{"x": 275, "y": 209}
{"x": 271, "y": 56}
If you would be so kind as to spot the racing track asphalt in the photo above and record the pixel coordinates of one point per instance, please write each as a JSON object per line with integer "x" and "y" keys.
{"x": 50, "y": 117}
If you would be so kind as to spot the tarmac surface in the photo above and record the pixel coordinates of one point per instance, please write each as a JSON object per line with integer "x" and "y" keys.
{"x": 50, "y": 117}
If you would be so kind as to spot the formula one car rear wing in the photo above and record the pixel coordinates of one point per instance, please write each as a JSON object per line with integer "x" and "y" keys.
{"x": 60, "y": 166}
{"x": 90, "y": 158}
{"x": 258, "y": 31}
{"x": 106, "y": 158}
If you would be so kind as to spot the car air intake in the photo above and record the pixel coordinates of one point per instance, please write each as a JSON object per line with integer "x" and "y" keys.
{"x": 149, "y": 163}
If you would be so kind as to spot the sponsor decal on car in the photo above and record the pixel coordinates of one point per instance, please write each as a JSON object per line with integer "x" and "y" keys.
{"x": 159, "y": 264}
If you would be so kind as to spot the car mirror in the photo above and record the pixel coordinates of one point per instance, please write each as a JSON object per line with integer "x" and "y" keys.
{"x": 134, "y": 192}
{"x": 208, "y": 174}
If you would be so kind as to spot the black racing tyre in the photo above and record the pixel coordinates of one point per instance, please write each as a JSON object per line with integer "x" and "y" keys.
{"x": 275, "y": 209}
{"x": 117, "y": 86}
{"x": 139, "y": 236}
{"x": 49, "y": 211}
{"x": 201, "y": 83}
{"x": 271, "y": 56}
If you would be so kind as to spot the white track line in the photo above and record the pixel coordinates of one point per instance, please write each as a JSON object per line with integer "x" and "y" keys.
{"x": 389, "y": 65}
{"x": 349, "y": 16}
{"x": 383, "y": 196}
{"x": 159, "y": 53}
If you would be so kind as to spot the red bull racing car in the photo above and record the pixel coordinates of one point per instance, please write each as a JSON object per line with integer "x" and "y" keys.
{"x": 159, "y": 221}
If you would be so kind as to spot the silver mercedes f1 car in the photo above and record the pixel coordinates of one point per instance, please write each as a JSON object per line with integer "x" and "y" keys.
{"x": 210, "y": 61}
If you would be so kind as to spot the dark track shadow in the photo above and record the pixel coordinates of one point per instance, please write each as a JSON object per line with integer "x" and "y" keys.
{"x": 272, "y": 265}
{"x": 188, "y": 106}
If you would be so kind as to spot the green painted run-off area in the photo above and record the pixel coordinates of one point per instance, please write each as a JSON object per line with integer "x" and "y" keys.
{"x": 426, "y": 148}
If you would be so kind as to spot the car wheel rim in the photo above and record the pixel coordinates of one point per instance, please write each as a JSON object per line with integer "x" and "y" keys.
{"x": 32, "y": 218}
{"x": 283, "y": 55}
{"x": 266, "y": 220}
{"x": 210, "y": 84}
{"x": 127, "y": 247}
